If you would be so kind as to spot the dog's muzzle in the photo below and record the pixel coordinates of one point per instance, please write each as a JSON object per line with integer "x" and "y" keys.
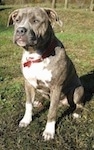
{"x": 25, "y": 37}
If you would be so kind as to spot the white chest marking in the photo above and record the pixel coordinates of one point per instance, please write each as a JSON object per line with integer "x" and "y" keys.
{"x": 37, "y": 71}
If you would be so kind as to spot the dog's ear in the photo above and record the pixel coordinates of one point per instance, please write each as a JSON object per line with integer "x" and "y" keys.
{"x": 53, "y": 16}
{"x": 12, "y": 17}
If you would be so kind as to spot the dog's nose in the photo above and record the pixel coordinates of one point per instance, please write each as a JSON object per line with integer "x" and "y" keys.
{"x": 21, "y": 31}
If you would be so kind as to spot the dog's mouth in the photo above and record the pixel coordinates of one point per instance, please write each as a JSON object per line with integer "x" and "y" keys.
{"x": 21, "y": 41}
{"x": 24, "y": 38}
{"x": 25, "y": 41}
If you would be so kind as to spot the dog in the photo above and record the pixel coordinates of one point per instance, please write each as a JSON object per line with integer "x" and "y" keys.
{"x": 45, "y": 65}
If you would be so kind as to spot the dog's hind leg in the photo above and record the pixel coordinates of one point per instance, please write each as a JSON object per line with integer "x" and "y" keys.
{"x": 30, "y": 96}
{"x": 78, "y": 100}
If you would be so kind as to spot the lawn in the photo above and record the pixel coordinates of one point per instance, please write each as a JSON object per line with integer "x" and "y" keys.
{"x": 78, "y": 37}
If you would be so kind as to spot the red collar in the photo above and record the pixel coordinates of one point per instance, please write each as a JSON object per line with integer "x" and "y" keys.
{"x": 47, "y": 53}
{"x": 29, "y": 62}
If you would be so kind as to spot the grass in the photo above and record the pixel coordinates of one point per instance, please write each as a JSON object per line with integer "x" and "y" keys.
{"x": 78, "y": 38}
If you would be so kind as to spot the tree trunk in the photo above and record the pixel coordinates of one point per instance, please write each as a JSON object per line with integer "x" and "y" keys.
{"x": 53, "y": 3}
{"x": 66, "y": 4}
{"x": 92, "y": 5}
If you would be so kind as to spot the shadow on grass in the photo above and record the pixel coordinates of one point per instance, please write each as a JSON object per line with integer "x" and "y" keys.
{"x": 88, "y": 83}
{"x": 4, "y": 8}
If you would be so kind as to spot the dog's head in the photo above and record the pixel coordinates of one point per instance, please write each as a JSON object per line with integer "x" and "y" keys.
{"x": 31, "y": 25}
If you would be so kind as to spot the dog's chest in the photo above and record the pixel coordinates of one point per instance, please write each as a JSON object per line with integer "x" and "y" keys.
{"x": 37, "y": 70}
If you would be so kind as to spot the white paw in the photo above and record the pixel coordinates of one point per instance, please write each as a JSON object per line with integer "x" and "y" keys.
{"x": 24, "y": 122}
{"x": 76, "y": 116}
{"x": 48, "y": 135}
{"x": 27, "y": 116}
{"x": 49, "y": 131}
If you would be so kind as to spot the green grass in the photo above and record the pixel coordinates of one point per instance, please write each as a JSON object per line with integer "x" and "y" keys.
{"x": 78, "y": 38}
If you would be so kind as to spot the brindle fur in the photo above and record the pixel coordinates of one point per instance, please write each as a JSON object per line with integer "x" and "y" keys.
{"x": 64, "y": 82}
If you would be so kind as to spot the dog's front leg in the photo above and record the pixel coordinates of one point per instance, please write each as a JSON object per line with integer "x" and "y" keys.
{"x": 30, "y": 95}
{"x": 49, "y": 131}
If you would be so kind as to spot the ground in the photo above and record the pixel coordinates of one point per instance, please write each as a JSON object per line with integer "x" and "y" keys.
{"x": 77, "y": 34}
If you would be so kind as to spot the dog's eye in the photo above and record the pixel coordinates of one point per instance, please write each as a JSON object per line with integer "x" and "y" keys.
{"x": 17, "y": 20}
{"x": 35, "y": 21}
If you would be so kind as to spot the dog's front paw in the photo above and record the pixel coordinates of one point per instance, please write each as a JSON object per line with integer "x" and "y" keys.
{"x": 48, "y": 135}
{"x": 24, "y": 122}
{"x": 49, "y": 131}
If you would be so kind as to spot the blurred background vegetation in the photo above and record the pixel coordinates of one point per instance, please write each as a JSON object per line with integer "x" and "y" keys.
{"x": 88, "y": 4}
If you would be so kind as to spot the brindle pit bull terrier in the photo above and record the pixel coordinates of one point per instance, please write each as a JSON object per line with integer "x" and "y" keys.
{"x": 45, "y": 65}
